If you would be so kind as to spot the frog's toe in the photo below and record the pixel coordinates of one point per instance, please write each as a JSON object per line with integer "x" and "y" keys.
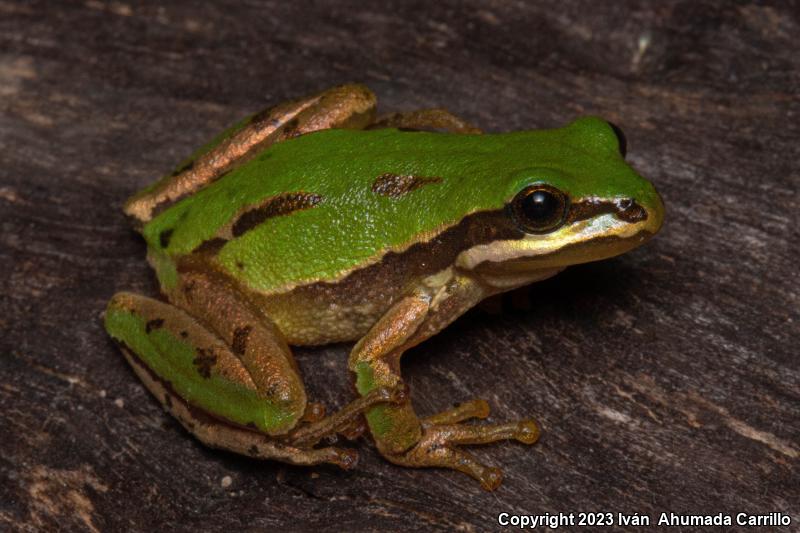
{"x": 528, "y": 431}
{"x": 491, "y": 479}
{"x": 525, "y": 431}
{"x": 476, "y": 408}
{"x": 345, "y": 458}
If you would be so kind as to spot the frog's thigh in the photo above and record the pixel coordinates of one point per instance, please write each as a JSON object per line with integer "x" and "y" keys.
{"x": 345, "y": 106}
{"x": 191, "y": 371}
{"x": 213, "y": 300}
{"x": 425, "y": 119}
{"x": 175, "y": 354}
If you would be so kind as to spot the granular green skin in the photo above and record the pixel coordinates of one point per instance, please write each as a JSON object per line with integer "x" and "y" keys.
{"x": 352, "y": 226}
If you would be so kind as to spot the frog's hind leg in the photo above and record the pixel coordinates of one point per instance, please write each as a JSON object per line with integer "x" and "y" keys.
{"x": 425, "y": 120}
{"x": 194, "y": 373}
{"x": 346, "y": 106}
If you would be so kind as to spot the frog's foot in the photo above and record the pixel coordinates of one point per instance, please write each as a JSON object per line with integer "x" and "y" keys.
{"x": 426, "y": 120}
{"x": 441, "y": 441}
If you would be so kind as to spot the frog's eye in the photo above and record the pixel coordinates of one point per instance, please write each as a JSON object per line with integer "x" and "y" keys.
{"x": 622, "y": 142}
{"x": 539, "y": 208}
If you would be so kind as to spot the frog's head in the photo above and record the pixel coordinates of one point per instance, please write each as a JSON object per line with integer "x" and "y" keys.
{"x": 579, "y": 202}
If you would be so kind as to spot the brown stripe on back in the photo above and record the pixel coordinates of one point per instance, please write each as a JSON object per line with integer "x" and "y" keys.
{"x": 397, "y": 185}
{"x": 279, "y": 205}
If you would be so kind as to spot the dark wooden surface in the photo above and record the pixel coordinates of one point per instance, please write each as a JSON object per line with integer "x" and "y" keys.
{"x": 665, "y": 380}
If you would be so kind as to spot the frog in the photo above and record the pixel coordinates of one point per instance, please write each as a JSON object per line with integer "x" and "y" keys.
{"x": 318, "y": 221}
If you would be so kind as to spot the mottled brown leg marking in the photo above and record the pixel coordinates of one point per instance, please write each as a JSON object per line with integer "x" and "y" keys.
{"x": 156, "y": 323}
{"x": 188, "y": 287}
{"x": 205, "y": 361}
{"x": 240, "y": 335}
{"x": 291, "y": 129}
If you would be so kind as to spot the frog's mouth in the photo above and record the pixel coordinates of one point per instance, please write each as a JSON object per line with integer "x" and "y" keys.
{"x": 516, "y": 262}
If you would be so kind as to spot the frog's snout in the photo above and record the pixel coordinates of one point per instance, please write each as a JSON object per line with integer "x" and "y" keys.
{"x": 654, "y": 206}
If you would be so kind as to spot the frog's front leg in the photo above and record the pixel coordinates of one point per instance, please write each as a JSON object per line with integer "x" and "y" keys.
{"x": 345, "y": 106}
{"x": 400, "y": 435}
{"x": 224, "y": 371}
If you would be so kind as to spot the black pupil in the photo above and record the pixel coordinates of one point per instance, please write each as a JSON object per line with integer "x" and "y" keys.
{"x": 540, "y": 206}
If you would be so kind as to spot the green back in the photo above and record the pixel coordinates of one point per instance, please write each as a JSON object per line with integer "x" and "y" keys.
{"x": 352, "y": 226}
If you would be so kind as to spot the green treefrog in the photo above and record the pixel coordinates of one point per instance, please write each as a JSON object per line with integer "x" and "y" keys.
{"x": 315, "y": 222}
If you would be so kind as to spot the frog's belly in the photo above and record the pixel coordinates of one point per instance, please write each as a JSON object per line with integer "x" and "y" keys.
{"x": 323, "y": 314}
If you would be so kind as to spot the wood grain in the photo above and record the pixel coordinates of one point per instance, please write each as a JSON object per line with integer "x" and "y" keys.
{"x": 666, "y": 380}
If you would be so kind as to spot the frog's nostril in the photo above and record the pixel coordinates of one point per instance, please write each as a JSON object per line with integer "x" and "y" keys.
{"x": 622, "y": 142}
{"x": 630, "y": 211}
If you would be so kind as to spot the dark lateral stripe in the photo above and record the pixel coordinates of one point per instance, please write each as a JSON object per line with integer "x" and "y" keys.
{"x": 426, "y": 258}
{"x": 624, "y": 209}
{"x": 280, "y": 205}
{"x": 397, "y": 185}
